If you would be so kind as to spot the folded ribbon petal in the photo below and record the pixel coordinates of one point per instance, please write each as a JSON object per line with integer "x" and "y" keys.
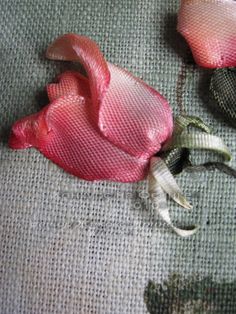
{"x": 63, "y": 133}
{"x": 73, "y": 47}
{"x": 134, "y": 116}
{"x": 209, "y": 26}
{"x": 131, "y": 114}
{"x": 70, "y": 83}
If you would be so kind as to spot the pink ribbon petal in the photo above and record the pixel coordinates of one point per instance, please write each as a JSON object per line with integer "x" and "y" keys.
{"x": 132, "y": 115}
{"x": 69, "y": 83}
{"x": 72, "y": 47}
{"x": 209, "y": 26}
{"x": 64, "y": 134}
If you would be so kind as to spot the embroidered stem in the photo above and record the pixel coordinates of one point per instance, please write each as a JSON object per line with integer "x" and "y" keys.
{"x": 180, "y": 87}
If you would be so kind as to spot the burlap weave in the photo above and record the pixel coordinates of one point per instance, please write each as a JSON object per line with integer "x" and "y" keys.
{"x": 70, "y": 246}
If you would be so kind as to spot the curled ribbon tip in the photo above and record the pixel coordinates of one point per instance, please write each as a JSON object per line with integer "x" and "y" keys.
{"x": 166, "y": 180}
{"x": 160, "y": 182}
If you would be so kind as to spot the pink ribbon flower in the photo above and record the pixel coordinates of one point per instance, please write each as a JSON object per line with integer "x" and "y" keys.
{"x": 209, "y": 26}
{"x": 105, "y": 126}
{"x": 109, "y": 125}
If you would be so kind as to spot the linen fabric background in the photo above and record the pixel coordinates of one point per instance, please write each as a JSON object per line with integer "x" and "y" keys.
{"x": 71, "y": 246}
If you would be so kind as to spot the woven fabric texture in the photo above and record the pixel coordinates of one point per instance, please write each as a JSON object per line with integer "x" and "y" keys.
{"x": 71, "y": 246}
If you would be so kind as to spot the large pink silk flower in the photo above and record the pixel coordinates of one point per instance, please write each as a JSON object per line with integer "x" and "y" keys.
{"x": 105, "y": 126}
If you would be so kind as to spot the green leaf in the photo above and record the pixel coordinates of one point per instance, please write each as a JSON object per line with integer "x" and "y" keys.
{"x": 200, "y": 141}
{"x": 161, "y": 181}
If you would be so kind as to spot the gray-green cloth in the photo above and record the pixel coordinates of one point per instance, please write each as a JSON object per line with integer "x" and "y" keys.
{"x": 71, "y": 246}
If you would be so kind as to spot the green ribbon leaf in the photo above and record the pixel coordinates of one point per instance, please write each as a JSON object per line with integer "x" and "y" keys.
{"x": 174, "y": 158}
{"x": 161, "y": 181}
{"x": 223, "y": 91}
{"x": 200, "y": 141}
{"x": 165, "y": 179}
{"x": 177, "y": 150}
{"x": 182, "y": 122}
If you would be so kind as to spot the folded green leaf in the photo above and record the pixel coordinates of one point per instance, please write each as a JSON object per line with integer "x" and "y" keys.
{"x": 161, "y": 181}
{"x": 200, "y": 141}
{"x": 183, "y": 122}
{"x": 223, "y": 90}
